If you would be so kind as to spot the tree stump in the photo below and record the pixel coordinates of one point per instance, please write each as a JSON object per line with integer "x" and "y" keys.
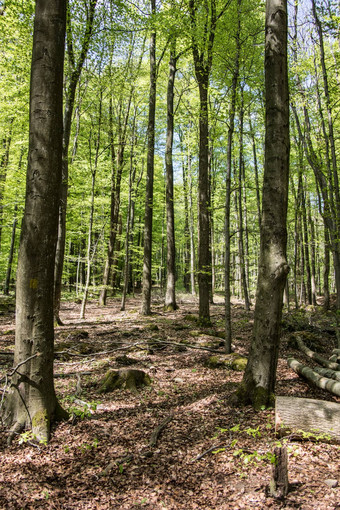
{"x": 125, "y": 379}
{"x": 279, "y": 484}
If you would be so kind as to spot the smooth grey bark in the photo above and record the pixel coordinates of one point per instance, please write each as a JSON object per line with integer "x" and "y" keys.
{"x": 170, "y": 295}
{"x": 258, "y": 384}
{"x": 31, "y": 401}
{"x": 147, "y": 263}
{"x": 76, "y": 67}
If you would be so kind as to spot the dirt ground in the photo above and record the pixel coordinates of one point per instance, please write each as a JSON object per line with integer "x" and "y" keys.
{"x": 175, "y": 444}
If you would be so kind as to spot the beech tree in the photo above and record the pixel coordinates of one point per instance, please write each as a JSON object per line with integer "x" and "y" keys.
{"x": 147, "y": 264}
{"x": 31, "y": 401}
{"x": 258, "y": 383}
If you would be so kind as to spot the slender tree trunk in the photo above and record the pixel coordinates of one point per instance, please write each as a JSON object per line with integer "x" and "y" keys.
{"x": 258, "y": 383}
{"x": 203, "y": 54}
{"x": 191, "y": 229}
{"x": 256, "y": 170}
{"x": 204, "y": 266}
{"x": 93, "y": 182}
{"x": 305, "y": 242}
{"x": 3, "y": 170}
{"x": 31, "y": 401}
{"x": 240, "y": 216}
{"x": 313, "y": 254}
{"x": 227, "y": 261}
{"x": 186, "y": 279}
{"x": 170, "y": 296}
{"x": 326, "y": 270}
{"x": 147, "y": 265}
{"x": 11, "y": 253}
{"x": 68, "y": 113}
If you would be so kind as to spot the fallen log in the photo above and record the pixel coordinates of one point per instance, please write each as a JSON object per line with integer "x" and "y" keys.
{"x": 157, "y": 432}
{"x": 312, "y": 377}
{"x": 327, "y": 372}
{"x": 305, "y": 415}
{"x": 315, "y": 356}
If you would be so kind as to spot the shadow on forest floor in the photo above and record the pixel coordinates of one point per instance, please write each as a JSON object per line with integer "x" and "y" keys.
{"x": 103, "y": 457}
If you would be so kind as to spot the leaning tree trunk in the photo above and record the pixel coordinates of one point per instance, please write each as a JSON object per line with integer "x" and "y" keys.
{"x": 32, "y": 401}
{"x": 258, "y": 383}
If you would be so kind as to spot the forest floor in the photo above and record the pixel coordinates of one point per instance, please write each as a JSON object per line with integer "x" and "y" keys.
{"x": 175, "y": 444}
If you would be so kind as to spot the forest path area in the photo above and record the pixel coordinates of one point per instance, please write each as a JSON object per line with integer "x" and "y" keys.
{"x": 176, "y": 443}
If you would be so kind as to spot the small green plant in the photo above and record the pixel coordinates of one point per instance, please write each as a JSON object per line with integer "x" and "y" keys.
{"x": 81, "y": 409}
{"x": 89, "y": 446}
{"x": 29, "y": 437}
{"x": 46, "y": 494}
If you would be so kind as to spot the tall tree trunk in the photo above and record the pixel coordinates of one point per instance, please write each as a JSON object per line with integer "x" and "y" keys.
{"x": 191, "y": 229}
{"x": 31, "y": 401}
{"x": 76, "y": 67}
{"x": 313, "y": 254}
{"x": 117, "y": 163}
{"x": 93, "y": 182}
{"x": 227, "y": 261}
{"x": 170, "y": 296}
{"x": 326, "y": 270}
{"x": 3, "y": 170}
{"x": 202, "y": 50}
{"x": 305, "y": 239}
{"x": 258, "y": 383}
{"x": 147, "y": 264}
{"x": 186, "y": 279}
{"x": 256, "y": 170}
{"x": 240, "y": 215}
{"x": 11, "y": 253}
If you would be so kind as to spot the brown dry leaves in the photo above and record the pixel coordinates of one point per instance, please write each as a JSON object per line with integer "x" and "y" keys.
{"x": 105, "y": 461}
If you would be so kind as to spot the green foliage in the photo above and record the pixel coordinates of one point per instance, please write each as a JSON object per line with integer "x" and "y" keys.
{"x": 80, "y": 410}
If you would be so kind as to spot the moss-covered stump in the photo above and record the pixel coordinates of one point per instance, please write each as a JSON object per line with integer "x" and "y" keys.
{"x": 232, "y": 361}
{"x": 128, "y": 379}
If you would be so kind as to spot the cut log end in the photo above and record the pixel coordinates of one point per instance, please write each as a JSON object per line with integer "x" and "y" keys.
{"x": 307, "y": 419}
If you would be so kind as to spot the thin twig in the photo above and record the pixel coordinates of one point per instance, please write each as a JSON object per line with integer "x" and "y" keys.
{"x": 223, "y": 445}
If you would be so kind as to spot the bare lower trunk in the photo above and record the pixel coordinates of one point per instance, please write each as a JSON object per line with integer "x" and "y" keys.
{"x": 258, "y": 383}
{"x": 32, "y": 401}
